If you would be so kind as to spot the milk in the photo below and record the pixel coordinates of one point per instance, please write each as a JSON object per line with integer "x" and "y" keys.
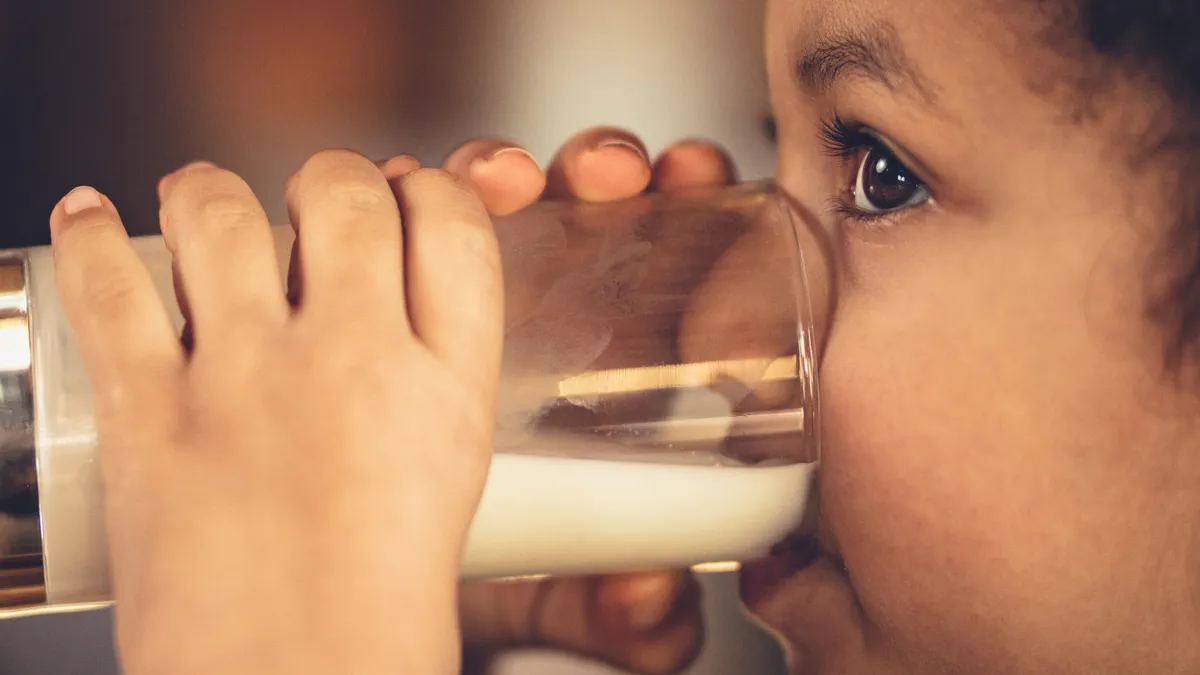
{"x": 563, "y": 515}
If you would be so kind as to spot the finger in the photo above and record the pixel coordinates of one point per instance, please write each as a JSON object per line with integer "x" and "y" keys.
{"x": 819, "y": 603}
{"x": 350, "y": 244}
{"x": 187, "y": 335}
{"x": 670, "y": 650}
{"x": 124, "y": 333}
{"x": 638, "y": 602}
{"x": 644, "y": 622}
{"x": 456, "y": 299}
{"x": 393, "y": 170}
{"x": 661, "y": 614}
{"x": 498, "y": 615}
{"x": 692, "y": 165}
{"x": 505, "y": 176}
{"x": 599, "y": 165}
{"x": 223, "y": 251}
{"x": 601, "y": 617}
{"x": 398, "y": 167}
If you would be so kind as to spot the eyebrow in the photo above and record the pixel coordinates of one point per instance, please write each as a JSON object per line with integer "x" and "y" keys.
{"x": 874, "y": 54}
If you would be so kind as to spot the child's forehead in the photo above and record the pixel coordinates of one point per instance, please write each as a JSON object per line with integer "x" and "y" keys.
{"x": 971, "y": 56}
{"x": 1017, "y": 31}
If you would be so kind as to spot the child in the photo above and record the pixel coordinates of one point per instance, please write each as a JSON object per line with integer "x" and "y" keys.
{"x": 1010, "y": 482}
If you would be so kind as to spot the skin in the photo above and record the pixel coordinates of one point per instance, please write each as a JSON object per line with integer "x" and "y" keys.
{"x": 1008, "y": 481}
{"x": 167, "y": 577}
{"x": 203, "y": 486}
{"x": 644, "y": 623}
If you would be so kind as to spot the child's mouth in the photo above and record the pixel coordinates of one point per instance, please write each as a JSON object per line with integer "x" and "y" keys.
{"x": 759, "y": 578}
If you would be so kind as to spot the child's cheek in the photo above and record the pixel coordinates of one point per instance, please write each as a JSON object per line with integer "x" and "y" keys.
{"x": 922, "y": 491}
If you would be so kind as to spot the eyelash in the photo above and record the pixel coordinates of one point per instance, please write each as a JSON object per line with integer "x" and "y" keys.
{"x": 847, "y": 142}
{"x": 844, "y": 140}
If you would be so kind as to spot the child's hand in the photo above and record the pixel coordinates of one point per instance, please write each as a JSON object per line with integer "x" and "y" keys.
{"x": 292, "y": 494}
{"x": 649, "y": 623}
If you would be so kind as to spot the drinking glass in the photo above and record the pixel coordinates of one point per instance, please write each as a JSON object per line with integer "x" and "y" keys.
{"x": 657, "y": 405}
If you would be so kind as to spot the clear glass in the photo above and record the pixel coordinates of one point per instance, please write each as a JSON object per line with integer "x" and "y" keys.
{"x": 658, "y": 401}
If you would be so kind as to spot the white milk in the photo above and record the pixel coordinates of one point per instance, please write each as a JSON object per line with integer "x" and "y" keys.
{"x": 561, "y": 515}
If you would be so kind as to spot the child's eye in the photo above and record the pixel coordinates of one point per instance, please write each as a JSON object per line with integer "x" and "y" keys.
{"x": 882, "y": 183}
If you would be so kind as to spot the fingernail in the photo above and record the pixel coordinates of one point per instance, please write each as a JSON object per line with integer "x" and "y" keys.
{"x": 486, "y": 160}
{"x": 622, "y": 143}
{"x": 650, "y": 600}
{"x": 511, "y": 150}
{"x": 80, "y": 199}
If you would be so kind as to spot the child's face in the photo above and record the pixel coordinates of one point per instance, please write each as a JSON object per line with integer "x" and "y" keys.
{"x": 1008, "y": 478}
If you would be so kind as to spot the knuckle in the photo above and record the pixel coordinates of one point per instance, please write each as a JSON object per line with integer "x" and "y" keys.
{"x": 106, "y": 291}
{"x": 327, "y": 165}
{"x": 458, "y": 212}
{"x": 441, "y": 184}
{"x": 347, "y": 180}
{"x": 90, "y": 277}
{"x": 335, "y": 160}
{"x": 357, "y": 348}
{"x": 192, "y": 185}
{"x": 227, "y": 210}
{"x": 212, "y": 197}
{"x": 353, "y": 193}
{"x": 84, "y": 229}
{"x": 449, "y": 195}
{"x": 80, "y": 251}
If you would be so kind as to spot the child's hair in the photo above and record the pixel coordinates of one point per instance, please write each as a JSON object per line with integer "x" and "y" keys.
{"x": 1159, "y": 41}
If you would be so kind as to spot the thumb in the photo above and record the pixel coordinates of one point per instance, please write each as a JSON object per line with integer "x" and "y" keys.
{"x": 646, "y": 623}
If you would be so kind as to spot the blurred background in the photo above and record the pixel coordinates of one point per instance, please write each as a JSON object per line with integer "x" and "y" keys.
{"x": 118, "y": 93}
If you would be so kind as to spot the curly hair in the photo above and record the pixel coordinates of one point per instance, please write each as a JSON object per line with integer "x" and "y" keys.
{"x": 1159, "y": 41}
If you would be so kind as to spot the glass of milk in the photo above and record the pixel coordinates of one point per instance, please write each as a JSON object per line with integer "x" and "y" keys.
{"x": 658, "y": 404}
{"x": 657, "y": 408}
